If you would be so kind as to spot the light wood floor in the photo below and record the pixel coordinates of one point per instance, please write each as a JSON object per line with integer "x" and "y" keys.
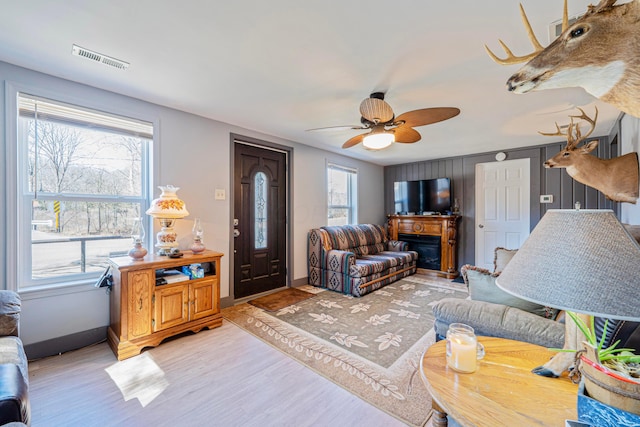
{"x": 222, "y": 377}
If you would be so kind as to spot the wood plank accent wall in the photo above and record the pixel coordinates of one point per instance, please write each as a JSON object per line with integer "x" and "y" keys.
{"x": 461, "y": 170}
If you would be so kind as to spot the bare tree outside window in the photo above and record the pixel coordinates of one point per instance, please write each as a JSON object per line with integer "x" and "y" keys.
{"x": 84, "y": 183}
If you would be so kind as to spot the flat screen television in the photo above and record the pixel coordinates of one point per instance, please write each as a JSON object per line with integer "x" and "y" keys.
{"x": 424, "y": 196}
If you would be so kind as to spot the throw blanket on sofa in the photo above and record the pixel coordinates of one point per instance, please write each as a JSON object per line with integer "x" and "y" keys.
{"x": 357, "y": 259}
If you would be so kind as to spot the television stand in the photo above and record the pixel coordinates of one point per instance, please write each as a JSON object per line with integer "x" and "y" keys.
{"x": 443, "y": 226}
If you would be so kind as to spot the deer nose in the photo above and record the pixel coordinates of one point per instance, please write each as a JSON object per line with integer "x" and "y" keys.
{"x": 548, "y": 165}
{"x": 521, "y": 82}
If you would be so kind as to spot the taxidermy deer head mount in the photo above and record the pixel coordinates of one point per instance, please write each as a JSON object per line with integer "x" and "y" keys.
{"x": 616, "y": 178}
{"x": 599, "y": 52}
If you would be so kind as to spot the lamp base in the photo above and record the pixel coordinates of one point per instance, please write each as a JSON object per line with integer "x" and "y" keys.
{"x": 166, "y": 239}
{"x": 165, "y": 251}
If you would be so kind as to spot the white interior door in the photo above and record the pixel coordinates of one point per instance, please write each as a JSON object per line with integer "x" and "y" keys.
{"x": 502, "y": 207}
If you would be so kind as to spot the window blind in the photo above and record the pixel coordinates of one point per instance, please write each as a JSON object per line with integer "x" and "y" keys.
{"x": 77, "y": 116}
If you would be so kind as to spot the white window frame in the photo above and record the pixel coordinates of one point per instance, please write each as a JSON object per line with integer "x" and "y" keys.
{"x": 17, "y": 243}
{"x": 352, "y": 192}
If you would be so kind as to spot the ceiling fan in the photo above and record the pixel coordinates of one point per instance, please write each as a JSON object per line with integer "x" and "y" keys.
{"x": 385, "y": 128}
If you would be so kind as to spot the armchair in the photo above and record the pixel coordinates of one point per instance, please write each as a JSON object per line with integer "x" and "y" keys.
{"x": 14, "y": 376}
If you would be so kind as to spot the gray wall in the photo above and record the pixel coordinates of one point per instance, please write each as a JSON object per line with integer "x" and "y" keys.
{"x": 461, "y": 170}
{"x": 190, "y": 152}
{"x": 629, "y": 143}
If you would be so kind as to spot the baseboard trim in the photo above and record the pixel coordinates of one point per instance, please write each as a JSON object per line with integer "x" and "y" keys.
{"x": 66, "y": 343}
{"x": 226, "y": 302}
{"x": 300, "y": 282}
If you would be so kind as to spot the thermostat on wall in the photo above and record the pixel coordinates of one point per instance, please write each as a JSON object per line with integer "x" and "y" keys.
{"x": 546, "y": 198}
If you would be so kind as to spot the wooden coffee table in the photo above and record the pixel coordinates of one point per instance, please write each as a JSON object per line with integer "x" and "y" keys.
{"x": 502, "y": 392}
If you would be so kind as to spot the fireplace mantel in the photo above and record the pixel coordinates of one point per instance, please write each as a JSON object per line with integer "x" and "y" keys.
{"x": 444, "y": 226}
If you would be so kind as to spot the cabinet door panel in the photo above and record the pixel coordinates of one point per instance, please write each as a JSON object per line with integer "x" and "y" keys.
{"x": 139, "y": 307}
{"x": 203, "y": 302}
{"x": 171, "y": 306}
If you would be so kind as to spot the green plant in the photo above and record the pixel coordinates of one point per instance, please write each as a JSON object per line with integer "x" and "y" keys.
{"x": 620, "y": 359}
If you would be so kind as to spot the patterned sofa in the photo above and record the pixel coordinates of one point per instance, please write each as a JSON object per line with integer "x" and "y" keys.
{"x": 356, "y": 259}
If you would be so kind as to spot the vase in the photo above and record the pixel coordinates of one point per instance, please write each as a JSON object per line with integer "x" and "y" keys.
{"x": 197, "y": 246}
{"x": 137, "y": 234}
{"x": 607, "y": 388}
{"x": 137, "y": 252}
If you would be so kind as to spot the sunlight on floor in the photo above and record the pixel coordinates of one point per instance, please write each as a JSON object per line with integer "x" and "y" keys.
{"x": 138, "y": 378}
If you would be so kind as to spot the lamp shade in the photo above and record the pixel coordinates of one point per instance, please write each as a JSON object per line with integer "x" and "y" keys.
{"x": 578, "y": 260}
{"x": 168, "y": 205}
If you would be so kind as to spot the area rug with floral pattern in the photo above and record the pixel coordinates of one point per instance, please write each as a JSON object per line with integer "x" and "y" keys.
{"x": 371, "y": 345}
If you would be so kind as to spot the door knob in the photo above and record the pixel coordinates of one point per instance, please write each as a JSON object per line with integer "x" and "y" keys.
{"x": 236, "y": 232}
{"x": 481, "y": 226}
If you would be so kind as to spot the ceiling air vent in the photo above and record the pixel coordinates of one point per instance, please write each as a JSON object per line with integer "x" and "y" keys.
{"x": 98, "y": 57}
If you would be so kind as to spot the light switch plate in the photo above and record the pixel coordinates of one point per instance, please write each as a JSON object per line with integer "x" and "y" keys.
{"x": 546, "y": 198}
{"x": 220, "y": 194}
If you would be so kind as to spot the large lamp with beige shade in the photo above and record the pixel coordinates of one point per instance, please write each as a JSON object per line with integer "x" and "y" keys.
{"x": 583, "y": 261}
{"x": 167, "y": 208}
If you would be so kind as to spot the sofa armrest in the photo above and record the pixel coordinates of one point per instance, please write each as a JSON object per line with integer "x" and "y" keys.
{"x": 339, "y": 261}
{"x": 397, "y": 246}
{"x": 497, "y": 320}
{"x": 9, "y": 313}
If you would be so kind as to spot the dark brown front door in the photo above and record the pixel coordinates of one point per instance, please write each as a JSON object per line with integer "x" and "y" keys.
{"x": 260, "y": 200}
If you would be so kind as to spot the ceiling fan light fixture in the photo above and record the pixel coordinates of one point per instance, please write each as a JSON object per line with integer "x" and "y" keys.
{"x": 378, "y": 140}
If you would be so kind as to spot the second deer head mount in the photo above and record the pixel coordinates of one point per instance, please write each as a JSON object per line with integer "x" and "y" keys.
{"x": 616, "y": 178}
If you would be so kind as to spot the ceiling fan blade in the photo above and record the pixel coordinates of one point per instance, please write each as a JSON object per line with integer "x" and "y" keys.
{"x": 376, "y": 110}
{"x": 336, "y": 128}
{"x": 426, "y": 116}
{"x": 354, "y": 141}
{"x": 406, "y": 134}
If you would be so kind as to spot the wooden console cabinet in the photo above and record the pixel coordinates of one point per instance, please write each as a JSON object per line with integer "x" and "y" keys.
{"x": 143, "y": 314}
{"x": 444, "y": 226}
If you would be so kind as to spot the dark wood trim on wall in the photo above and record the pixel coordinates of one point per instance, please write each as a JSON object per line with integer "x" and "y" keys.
{"x": 461, "y": 170}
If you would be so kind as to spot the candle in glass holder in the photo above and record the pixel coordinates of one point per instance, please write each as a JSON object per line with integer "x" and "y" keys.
{"x": 463, "y": 348}
{"x": 463, "y": 353}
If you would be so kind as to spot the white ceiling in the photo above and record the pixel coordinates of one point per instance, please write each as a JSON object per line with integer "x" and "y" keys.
{"x": 283, "y": 66}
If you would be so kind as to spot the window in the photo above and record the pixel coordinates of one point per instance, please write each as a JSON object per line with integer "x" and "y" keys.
{"x": 82, "y": 181}
{"x": 342, "y": 195}
{"x": 260, "y": 188}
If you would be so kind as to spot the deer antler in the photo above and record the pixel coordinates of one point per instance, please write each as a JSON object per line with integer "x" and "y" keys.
{"x": 600, "y": 7}
{"x": 557, "y": 133}
{"x": 511, "y": 58}
{"x": 573, "y": 134}
{"x": 592, "y": 122}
